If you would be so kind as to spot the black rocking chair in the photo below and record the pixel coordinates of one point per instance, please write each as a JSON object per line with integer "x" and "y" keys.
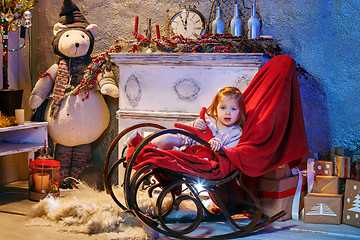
{"x": 161, "y": 220}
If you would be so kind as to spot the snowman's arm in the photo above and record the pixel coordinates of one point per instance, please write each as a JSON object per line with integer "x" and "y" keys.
{"x": 107, "y": 84}
{"x": 43, "y": 87}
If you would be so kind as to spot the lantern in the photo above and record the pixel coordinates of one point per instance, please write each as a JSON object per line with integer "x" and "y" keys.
{"x": 44, "y": 176}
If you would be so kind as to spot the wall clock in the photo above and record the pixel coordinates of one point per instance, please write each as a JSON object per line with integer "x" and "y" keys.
{"x": 190, "y": 23}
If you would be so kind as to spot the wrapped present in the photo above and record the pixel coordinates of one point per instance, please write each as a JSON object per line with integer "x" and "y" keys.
{"x": 278, "y": 173}
{"x": 323, "y": 208}
{"x": 343, "y": 166}
{"x": 341, "y": 151}
{"x": 288, "y": 171}
{"x": 324, "y": 167}
{"x": 277, "y": 195}
{"x": 351, "y": 212}
{"x": 338, "y": 151}
{"x": 327, "y": 184}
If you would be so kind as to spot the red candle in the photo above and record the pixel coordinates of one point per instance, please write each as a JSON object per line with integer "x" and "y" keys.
{"x": 157, "y": 32}
{"x": 136, "y": 25}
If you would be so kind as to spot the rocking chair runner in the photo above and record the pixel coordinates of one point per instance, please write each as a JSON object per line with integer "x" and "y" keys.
{"x": 274, "y": 134}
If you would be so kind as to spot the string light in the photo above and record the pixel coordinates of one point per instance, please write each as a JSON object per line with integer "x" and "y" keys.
{"x": 21, "y": 46}
{"x": 22, "y": 22}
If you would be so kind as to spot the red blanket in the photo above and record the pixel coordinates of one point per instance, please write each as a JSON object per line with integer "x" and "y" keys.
{"x": 274, "y": 133}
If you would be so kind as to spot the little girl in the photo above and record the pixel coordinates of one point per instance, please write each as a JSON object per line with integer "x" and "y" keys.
{"x": 225, "y": 117}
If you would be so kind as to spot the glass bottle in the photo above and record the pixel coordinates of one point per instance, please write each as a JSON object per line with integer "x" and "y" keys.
{"x": 253, "y": 24}
{"x": 236, "y": 24}
{"x": 148, "y": 30}
{"x": 218, "y": 25}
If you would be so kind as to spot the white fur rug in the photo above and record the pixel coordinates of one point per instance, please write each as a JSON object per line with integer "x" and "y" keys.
{"x": 88, "y": 211}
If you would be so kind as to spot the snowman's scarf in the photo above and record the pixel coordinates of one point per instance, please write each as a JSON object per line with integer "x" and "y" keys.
{"x": 60, "y": 86}
{"x": 62, "y": 82}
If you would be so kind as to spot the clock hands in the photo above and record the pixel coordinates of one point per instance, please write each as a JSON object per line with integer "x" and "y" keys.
{"x": 184, "y": 23}
{"x": 187, "y": 15}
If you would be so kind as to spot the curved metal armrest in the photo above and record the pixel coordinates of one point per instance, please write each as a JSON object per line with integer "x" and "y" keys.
{"x": 113, "y": 145}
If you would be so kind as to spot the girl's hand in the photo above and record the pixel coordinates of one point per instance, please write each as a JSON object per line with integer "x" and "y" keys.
{"x": 200, "y": 124}
{"x": 215, "y": 144}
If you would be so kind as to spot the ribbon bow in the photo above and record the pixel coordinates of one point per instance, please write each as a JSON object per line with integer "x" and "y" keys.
{"x": 309, "y": 173}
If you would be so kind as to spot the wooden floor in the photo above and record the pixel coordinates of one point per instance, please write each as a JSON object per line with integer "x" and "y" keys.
{"x": 15, "y": 206}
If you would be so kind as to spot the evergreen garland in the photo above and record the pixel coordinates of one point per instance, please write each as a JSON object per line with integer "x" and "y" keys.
{"x": 209, "y": 43}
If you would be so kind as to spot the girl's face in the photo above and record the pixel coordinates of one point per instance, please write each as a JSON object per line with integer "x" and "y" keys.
{"x": 227, "y": 112}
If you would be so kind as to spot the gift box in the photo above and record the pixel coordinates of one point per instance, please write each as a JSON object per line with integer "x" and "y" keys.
{"x": 341, "y": 151}
{"x": 343, "y": 166}
{"x": 351, "y": 212}
{"x": 323, "y": 208}
{"x": 326, "y": 184}
{"x": 338, "y": 151}
{"x": 277, "y": 195}
{"x": 278, "y": 173}
{"x": 325, "y": 168}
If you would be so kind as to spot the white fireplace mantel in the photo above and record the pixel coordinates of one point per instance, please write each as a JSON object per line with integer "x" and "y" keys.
{"x": 164, "y": 88}
{"x": 179, "y": 82}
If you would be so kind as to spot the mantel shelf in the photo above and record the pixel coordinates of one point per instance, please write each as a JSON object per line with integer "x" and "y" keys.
{"x": 188, "y": 59}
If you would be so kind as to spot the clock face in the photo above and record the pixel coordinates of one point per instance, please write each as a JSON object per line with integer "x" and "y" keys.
{"x": 189, "y": 23}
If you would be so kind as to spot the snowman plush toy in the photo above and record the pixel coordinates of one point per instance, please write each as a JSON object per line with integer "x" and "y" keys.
{"x": 69, "y": 96}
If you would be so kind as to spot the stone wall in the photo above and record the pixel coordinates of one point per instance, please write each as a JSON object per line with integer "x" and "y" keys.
{"x": 320, "y": 35}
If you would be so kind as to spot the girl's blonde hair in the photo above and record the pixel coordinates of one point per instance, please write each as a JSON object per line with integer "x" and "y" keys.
{"x": 234, "y": 93}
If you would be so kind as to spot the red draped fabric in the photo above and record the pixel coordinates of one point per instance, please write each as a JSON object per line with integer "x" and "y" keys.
{"x": 274, "y": 133}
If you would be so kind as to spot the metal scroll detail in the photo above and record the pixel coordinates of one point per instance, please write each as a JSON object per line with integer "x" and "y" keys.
{"x": 187, "y": 89}
{"x": 133, "y": 90}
